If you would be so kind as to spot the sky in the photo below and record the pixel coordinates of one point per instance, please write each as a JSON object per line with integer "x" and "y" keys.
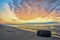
{"x": 17, "y": 10}
{"x": 2, "y": 2}
{"x": 43, "y": 4}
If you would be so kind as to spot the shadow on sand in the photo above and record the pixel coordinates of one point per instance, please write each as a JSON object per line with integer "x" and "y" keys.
{"x": 12, "y": 33}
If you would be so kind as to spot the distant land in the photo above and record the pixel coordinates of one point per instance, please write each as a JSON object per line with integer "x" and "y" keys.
{"x": 44, "y": 23}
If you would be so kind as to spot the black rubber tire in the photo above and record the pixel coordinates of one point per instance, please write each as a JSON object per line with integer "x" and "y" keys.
{"x": 44, "y": 33}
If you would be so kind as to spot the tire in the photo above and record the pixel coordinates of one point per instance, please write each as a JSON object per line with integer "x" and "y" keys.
{"x": 44, "y": 33}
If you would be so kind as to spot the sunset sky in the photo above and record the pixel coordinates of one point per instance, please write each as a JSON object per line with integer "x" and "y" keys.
{"x": 27, "y": 11}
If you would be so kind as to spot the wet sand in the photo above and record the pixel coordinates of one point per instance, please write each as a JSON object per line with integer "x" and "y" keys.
{"x": 13, "y": 33}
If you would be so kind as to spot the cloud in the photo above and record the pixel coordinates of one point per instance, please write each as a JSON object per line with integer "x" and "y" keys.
{"x": 8, "y": 13}
{"x": 27, "y": 11}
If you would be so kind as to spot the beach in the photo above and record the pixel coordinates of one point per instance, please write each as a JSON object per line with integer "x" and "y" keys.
{"x": 16, "y": 33}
